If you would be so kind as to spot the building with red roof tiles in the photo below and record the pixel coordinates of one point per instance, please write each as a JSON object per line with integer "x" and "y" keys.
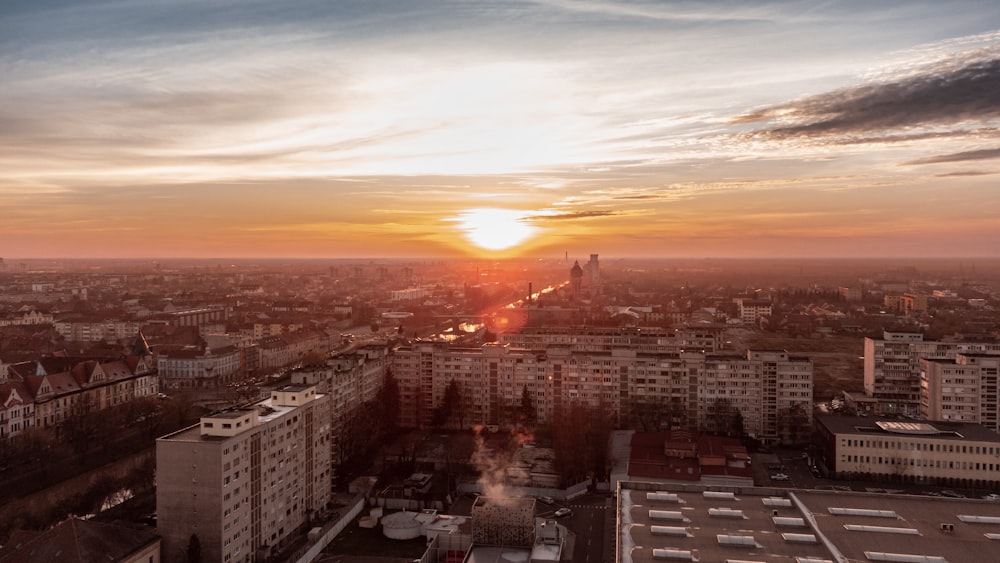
{"x": 681, "y": 455}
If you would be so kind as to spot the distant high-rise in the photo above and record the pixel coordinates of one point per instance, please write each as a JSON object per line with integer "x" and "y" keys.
{"x": 576, "y": 279}
{"x": 593, "y": 269}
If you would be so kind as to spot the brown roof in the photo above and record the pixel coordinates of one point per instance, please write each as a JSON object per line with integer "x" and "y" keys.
{"x": 77, "y": 541}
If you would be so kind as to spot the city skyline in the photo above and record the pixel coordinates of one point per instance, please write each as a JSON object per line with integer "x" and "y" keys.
{"x": 482, "y": 129}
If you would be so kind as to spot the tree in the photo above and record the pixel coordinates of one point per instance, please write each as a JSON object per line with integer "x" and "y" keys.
{"x": 194, "y": 550}
{"x": 793, "y": 424}
{"x": 651, "y": 414}
{"x": 527, "y": 406}
{"x": 313, "y": 359}
{"x": 450, "y": 407}
{"x": 389, "y": 403}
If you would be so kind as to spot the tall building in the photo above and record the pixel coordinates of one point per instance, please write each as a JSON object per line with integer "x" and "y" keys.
{"x": 244, "y": 480}
{"x": 892, "y": 367}
{"x": 604, "y": 338}
{"x": 772, "y": 390}
{"x": 963, "y": 389}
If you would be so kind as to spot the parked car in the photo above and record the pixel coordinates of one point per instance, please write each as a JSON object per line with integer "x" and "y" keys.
{"x": 992, "y": 497}
{"x": 952, "y": 494}
{"x": 546, "y": 500}
{"x": 779, "y": 477}
{"x": 563, "y": 512}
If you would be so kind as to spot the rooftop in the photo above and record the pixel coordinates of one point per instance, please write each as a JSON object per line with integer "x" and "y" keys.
{"x": 765, "y": 524}
{"x": 937, "y": 429}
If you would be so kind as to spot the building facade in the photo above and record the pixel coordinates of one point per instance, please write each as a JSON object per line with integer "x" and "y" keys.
{"x": 199, "y": 367}
{"x": 687, "y": 389}
{"x": 352, "y": 381}
{"x": 245, "y": 480}
{"x": 963, "y": 389}
{"x": 892, "y": 367}
{"x": 596, "y": 339}
{"x": 45, "y": 393}
{"x": 938, "y": 452}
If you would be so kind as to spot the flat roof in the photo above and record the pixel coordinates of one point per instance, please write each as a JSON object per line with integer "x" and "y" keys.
{"x": 717, "y": 528}
{"x": 964, "y": 543}
{"x": 843, "y": 525}
{"x": 936, "y": 429}
{"x": 266, "y": 412}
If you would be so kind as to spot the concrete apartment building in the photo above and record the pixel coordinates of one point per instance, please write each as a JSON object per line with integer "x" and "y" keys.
{"x": 963, "y": 389}
{"x": 244, "y": 480}
{"x": 892, "y": 367}
{"x": 351, "y": 380}
{"x": 764, "y": 385}
{"x": 752, "y": 310}
{"x": 924, "y": 452}
{"x": 640, "y": 339}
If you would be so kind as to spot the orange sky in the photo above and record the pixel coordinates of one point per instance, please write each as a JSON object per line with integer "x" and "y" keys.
{"x": 626, "y": 128}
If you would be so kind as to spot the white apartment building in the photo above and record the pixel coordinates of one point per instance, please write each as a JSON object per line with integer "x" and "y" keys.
{"x": 752, "y": 310}
{"x": 97, "y": 331}
{"x": 766, "y": 386}
{"x": 892, "y": 367}
{"x": 245, "y": 480}
{"x": 963, "y": 389}
{"x": 409, "y": 294}
{"x": 948, "y": 453}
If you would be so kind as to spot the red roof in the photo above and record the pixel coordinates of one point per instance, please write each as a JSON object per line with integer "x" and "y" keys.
{"x": 685, "y": 456}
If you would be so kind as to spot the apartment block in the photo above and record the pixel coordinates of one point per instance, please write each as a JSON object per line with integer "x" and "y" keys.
{"x": 752, "y": 310}
{"x": 963, "y": 389}
{"x": 640, "y": 339}
{"x": 245, "y": 480}
{"x": 892, "y": 367}
{"x": 351, "y": 380}
{"x": 687, "y": 389}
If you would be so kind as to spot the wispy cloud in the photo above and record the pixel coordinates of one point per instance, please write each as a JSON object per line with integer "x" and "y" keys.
{"x": 984, "y": 154}
{"x": 965, "y": 173}
{"x": 573, "y": 215}
{"x": 938, "y": 96}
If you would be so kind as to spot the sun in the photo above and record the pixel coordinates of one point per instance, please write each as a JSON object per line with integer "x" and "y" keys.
{"x": 495, "y": 229}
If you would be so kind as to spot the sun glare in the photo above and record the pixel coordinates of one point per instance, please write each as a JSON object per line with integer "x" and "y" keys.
{"x": 495, "y": 229}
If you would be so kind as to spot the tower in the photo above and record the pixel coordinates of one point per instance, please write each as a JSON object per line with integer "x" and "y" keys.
{"x": 576, "y": 279}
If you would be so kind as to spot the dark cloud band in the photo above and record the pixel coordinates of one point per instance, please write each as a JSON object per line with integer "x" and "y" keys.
{"x": 933, "y": 97}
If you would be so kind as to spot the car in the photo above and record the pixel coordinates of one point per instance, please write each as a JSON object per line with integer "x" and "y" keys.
{"x": 952, "y": 494}
{"x": 563, "y": 512}
{"x": 992, "y": 497}
{"x": 546, "y": 500}
{"x": 780, "y": 477}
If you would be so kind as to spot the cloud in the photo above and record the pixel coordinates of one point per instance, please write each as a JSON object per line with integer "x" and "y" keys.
{"x": 983, "y": 154}
{"x": 963, "y": 174}
{"x": 574, "y": 215}
{"x": 934, "y": 96}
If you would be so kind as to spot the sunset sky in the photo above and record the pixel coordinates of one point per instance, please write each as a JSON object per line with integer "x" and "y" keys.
{"x": 243, "y": 128}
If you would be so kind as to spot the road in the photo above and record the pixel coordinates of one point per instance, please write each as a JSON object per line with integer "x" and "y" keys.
{"x": 589, "y": 529}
